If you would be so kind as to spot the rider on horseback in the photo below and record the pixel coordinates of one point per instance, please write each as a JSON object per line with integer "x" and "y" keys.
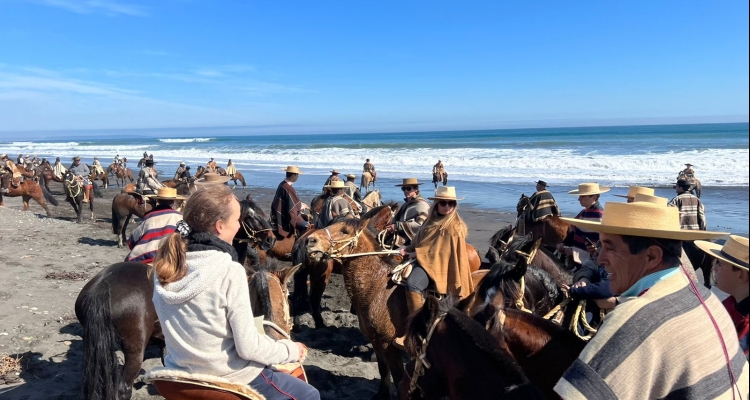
{"x": 368, "y": 167}
{"x": 179, "y": 171}
{"x": 81, "y": 173}
{"x": 211, "y": 166}
{"x": 286, "y": 208}
{"x": 689, "y": 171}
{"x": 98, "y": 169}
{"x": 147, "y": 180}
{"x": 351, "y": 188}
{"x": 335, "y": 206}
{"x": 231, "y": 170}
{"x": 577, "y": 242}
{"x": 412, "y": 214}
{"x": 10, "y": 168}
{"x": 59, "y": 169}
{"x": 543, "y": 203}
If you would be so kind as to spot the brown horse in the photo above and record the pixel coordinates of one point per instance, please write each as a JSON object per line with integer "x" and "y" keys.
{"x": 380, "y": 304}
{"x": 552, "y": 229}
{"x": 439, "y": 178}
{"x": 112, "y": 169}
{"x": 124, "y": 206}
{"x": 121, "y": 174}
{"x": 27, "y": 190}
{"x": 456, "y": 357}
{"x": 101, "y": 176}
{"x": 366, "y": 181}
{"x": 183, "y": 188}
{"x": 116, "y": 311}
{"x": 47, "y": 174}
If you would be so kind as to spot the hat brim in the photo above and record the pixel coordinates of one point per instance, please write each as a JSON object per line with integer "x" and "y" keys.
{"x": 541, "y": 183}
{"x": 203, "y": 181}
{"x": 714, "y": 250}
{"x": 298, "y": 172}
{"x": 408, "y": 184}
{"x": 652, "y": 233}
{"x": 602, "y": 189}
{"x": 153, "y": 196}
{"x": 622, "y": 195}
{"x": 446, "y": 198}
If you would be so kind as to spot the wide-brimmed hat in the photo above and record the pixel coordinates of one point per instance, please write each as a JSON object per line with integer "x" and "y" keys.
{"x": 659, "y": 201}
{"x": 634, "y": 190}
{"x": 182, "y": 162}
{"x": 445, "y": 193}
{"x": 351, "y": 176}
{"x": 150, "y": 162}
{"x": 4, "y": 156}
{"x": 292, "y": 169}
{"x": 335, "y": 171}
{"x": 541, "y": 182}
{"x": 76, "y": 158}
{"x": 689, "y": 165}
{"x": 643, "y": 219}
{"x": 587, "y": 189}
{"x": 336, "y": 185}
{"x": 409, "y": 182}
{"x": 211, "y": 179}
{"x": 734, "y": 251}
{"x": 166, "y": 193}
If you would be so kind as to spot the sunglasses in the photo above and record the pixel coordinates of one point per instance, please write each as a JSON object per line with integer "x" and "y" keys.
{"x": 447, "y": 203}
{"x": 409, "y": 188}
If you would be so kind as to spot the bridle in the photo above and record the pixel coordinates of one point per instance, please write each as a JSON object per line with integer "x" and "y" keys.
{"x": 74, "y": 184}
{"x": 250, "y": 232}
{"x": 421, "y": 365}
{"x": 350, "y": 244}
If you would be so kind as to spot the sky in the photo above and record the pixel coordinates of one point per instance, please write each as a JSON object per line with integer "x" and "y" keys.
{"x": 358, "y": 66}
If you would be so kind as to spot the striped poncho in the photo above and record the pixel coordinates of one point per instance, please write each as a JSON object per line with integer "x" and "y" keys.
{"x": 660, "y": 344}
{"x": 145, "y": 239}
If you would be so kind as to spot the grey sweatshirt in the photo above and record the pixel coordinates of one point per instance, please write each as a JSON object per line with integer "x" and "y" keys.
{"x": 208, "y": 322}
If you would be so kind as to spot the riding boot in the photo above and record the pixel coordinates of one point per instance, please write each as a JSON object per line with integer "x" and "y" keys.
{"x": 86, "y": 194}
{"x": 414, "y": 302}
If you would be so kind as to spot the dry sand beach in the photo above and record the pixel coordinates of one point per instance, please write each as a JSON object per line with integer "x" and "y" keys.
{"x": 46, "y": 262}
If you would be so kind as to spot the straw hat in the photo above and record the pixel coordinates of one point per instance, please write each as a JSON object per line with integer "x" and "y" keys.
{"x": 166, "y": 193}
{"x": 336, "y": 185}
{"x": 734, "y": 251}
{"x": 409, "y": 182}
{"x": 659, "y": 201}
{"x": 335, "y": 171}
{"x": 211, "y": 178}
{"x": 587, "y": 189}
{"x": 644, "y": 219}
{"x": 182, "y": 162}
{"x": 351, "y": 176}
{"x": 445, "y": 193}
{"x": 633, "y": 190}
{"x": 292, "y": 169}
{"x": 4, "y": 156}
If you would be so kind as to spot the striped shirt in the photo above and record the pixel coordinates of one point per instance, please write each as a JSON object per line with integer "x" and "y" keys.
{"x": 145, "y": 239}
{"x": 692, "y": 212}
{"x": 593, "y": 213}
{"x": 660, "y": 344}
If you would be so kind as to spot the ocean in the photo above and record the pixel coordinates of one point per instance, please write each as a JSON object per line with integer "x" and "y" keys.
{"x": 490, "y": 168}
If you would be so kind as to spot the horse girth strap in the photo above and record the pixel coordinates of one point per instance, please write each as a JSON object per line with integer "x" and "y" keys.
{"x": 420, "y": 361}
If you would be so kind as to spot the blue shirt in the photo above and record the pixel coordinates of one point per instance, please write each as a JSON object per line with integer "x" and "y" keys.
{"x": 648, "y": 281}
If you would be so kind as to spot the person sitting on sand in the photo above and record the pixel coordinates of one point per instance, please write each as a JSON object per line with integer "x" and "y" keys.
{"x": 202, "y": 301}
{"x": 156, "y": 225}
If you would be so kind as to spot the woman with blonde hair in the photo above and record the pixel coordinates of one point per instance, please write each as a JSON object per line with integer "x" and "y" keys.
{"x": 202, "y": 300}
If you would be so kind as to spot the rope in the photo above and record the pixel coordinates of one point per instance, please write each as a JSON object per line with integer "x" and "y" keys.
{"x": 557, "y": 308}
{"x": 579, "y": 316}
{"x": 519, "y": 301}
{"x": 420, "y": 362}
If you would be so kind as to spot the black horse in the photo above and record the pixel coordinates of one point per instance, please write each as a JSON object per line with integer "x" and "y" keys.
{"x": 255, "y": 233}
{"x": 74, "y": 192}
{"x": 116, "y": 312}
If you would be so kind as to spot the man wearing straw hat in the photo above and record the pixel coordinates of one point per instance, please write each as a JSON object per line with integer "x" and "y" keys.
{"x": 412, "y": 214}
{"x": 731, "y": 276}
{"x": 692, "y": 212}
{"x": 352, "y": 189}
{"x": 689, "y": 171}
{"x": 334, "y": 177}
{"x": 578, "y": 243}
{"x": 286, "y": 207}
{"x": 210, "y": 178}
{"x": 543, "y": 204}
{"x": 156, "y": 225}
{"x": 334, "y": 206}
{"x": 667, "y": 338}
{"x": 634, "y": 190}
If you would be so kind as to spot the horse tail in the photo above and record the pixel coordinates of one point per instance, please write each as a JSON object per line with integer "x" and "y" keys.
{"x": 98, "y": 193}
{"x": 242, "y": 179}
{"x": 115, "y": 219}
{"x": 48, "y": 196}
{"x": 101, "y": 369}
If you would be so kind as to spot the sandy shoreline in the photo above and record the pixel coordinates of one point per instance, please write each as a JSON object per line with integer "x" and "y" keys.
{"x": 37, "y": 296}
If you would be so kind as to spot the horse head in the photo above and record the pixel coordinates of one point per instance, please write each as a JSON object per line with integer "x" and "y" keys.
{"x": 523, "y": 203}
{"x": 255, "y": 226}
{"x": 269, "y": 297}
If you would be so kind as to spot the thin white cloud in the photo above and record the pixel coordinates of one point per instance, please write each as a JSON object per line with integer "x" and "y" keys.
{"x": 107, "y": 7}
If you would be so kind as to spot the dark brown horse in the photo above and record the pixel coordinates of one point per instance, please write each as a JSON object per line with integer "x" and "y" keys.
{"x": 27, "y": 190}
{"x": 439, "y": 178}
{"x": 456, "y": 357}
{"x": 116, "y": 311}
{"x": 380, "y": 304}
{"x": 552, "y": 229}
{"x": 74, "y": 193}
{"x": 121, "y": 174}
{"x": 124, "y": 206}
{"x": 47, "y": 174}
{"x": 100, "y": 176}
{"x": 255, "y": 235}
{"x": 695, "y": 184}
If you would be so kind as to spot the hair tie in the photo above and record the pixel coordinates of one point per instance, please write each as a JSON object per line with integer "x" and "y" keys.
{"x": 183, "y": 228}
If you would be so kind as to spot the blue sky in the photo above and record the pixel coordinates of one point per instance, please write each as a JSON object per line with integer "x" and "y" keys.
{"x": 336, "y": 66}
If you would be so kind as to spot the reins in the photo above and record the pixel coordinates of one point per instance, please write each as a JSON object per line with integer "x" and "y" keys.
{"x": 421, "y": 364}
{"x": 350, "y": 243}
{"x": 251, "y": 233}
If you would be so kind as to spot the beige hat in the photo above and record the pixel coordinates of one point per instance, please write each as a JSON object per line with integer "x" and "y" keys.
{"x": 659, "y": 201}
{"x": 445, "y": 193}
{"x": 336, "y": 185}
{"x": 633, "y": 190}
{"x": 735, "y": 250}
{"x": 352, "y": 176}
{"x": 587, "y": 189}
{"x": 292, "y": 169}
{"x": 4, "y": 156}
{"x": 166, "y": 193}
{"x": 409, "y": 182}
{"x": 643, "y": 219}
{"x": 211, "y": 178}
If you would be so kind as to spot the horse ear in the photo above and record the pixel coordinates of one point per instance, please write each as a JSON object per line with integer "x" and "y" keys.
{"x": 519, "y": 270}
{"x": 285, "y": 274}
{"x": 486, "y": 315}
{"x": 492, "y": 255}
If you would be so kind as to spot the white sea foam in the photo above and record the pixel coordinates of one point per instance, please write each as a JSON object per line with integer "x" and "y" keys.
{"x": 186, "y": 140}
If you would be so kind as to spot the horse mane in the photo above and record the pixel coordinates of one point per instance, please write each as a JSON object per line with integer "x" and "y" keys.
{"x": 375, "y": 211}
{"x": 497, "y": 281}
{"x": 553, "y": 290}
{"x": 499, "y": 235}
{"x": 519, "y": 242}
{"x": 259, "y": 282}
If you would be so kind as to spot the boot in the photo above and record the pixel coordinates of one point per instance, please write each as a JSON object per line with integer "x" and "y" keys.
{"x": 414, "y": 302}
{"x": 86, "y": 194}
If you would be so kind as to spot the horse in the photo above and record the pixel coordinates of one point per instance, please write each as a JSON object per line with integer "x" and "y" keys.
{"x": 101, "y": 176}
{"x": 116, "y": 311}
{"x": 695, "y": 183}
{"x": 367, "y": 180}
{"x": 124, "y": 206}
{"x": 46, "y": 175}
{"x": 525, "y": 246}
{"x": 552, "y": 229}
{"x": 183, "y": 188}
{"x": 371, "y": 200}
{"x": 122, "y": 174}
{"x": 438, "y": 177}
{"x": 499, "y": 242}
{"x": 700, "y": 260}
{"x": 27, "y": 190}
{"x": 454, "y": 356}
{"x": 255, "y": 234}
{"x": 380, "y": 304}
{"x": 74, "y": 193}
{"x": 112, "y": 169}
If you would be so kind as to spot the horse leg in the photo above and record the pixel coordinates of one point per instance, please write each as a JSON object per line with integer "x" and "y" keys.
{"x": 91, "y": 206}
{"x": 134, "y": 342}
{"x": 319, "y": 277}
{"x": 384, "y": 391}
{"x": 300, "y": 299}
{"x": 25, "y": 198}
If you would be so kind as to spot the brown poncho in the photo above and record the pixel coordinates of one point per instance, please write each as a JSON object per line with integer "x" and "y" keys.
{"x": 441, "y": 251}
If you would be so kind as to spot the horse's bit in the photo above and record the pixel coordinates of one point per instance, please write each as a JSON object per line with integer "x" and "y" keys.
{"x": 251, "y": 233}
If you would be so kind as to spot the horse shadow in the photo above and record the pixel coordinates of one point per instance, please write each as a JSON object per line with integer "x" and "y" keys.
{"x": 97, "y": 242}
{"x": 335, "y": 386}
